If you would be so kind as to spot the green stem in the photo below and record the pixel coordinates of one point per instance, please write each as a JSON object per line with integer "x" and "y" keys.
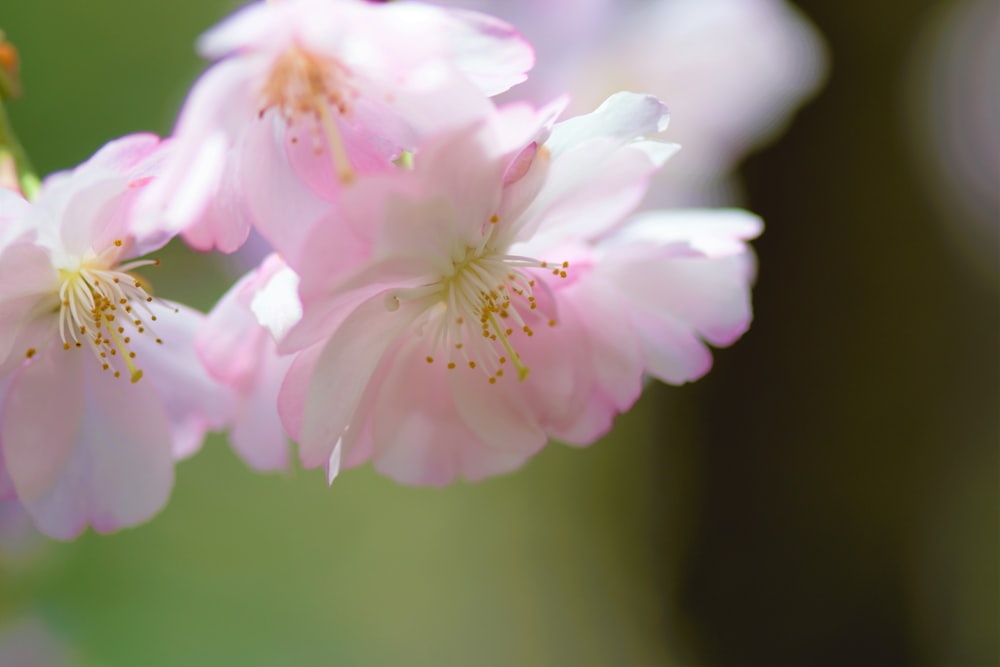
{"x": 10, "y": 148}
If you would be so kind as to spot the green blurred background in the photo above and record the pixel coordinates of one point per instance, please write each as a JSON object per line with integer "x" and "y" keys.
{"x": 828, "y": 495}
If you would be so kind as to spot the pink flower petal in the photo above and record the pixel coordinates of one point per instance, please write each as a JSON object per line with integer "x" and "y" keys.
{"x": 103, "y": 458}
{"x": 294, "y": 388}
{"x": 257, "y": 434}
{"x": 488, "y": 51}
{"x": 281, "y": 205}
{"x": 588, "y": 194}
{"x": 123, "y": 155}
{"x": 613, "y": 345}
{"x": 419, "y": 438}
{"x": 212, "y": 120}
{"x": 13, "y": 210}
{"x": 671, "y": 350}
{"x": 230, "y": 337}
{"x": 342, "y": 372}
{"x": 7, "y": 491}
{"x": 711, "y": 232}
{"x": 621, "y": 118}
{"x": 501, "y": 419}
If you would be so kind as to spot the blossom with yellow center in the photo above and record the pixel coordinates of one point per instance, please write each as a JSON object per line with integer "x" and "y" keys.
{"x": 80, "y": 443}
{"x": 307, "y": 95}
{"x": 498, "y": 295}
{"x": 102, "y": 306}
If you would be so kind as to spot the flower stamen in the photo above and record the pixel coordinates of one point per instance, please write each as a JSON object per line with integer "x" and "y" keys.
{"x": 484, "y": 287}
{"x": 96, "y": 301}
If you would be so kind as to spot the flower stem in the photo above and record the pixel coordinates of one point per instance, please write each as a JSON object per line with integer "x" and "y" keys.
{"x": 16, "y": 171}
{"x": 11, "y": 152}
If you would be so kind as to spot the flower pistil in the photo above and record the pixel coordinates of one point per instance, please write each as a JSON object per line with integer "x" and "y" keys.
{"x": 302, "y": 83}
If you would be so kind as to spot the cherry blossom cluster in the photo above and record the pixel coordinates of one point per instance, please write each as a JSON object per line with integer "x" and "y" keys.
{"x": 452, "y": 282}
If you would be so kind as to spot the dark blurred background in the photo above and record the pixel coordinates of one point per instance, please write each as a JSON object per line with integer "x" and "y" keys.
{"x": 847, "y": 507}
{"x": 828, "y": 495}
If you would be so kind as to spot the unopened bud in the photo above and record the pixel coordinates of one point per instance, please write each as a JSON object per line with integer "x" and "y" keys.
{"x": 10, "y": 70}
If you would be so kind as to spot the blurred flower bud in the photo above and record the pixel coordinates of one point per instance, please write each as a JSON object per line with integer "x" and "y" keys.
{"x": 10, "y": 66}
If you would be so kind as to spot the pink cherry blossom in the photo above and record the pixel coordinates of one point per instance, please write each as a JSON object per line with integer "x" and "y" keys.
{"x": 308, "y": 93}
{"x": 100, "y": 387}
{"x": 508, "y": 299}
{"x": 734, "y": 71}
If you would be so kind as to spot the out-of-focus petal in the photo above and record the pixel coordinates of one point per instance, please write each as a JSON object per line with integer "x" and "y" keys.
{"x": 282, "y": 206}
{"x": 212, "y": 121}
{"x": 490, "y": 52}
{"x": 712, "y": 232}
{"x": 13, "y": 208}
{"x": 106, "y": 460}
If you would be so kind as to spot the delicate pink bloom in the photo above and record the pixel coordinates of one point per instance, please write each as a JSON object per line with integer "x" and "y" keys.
{"x": 101, "y": 388}
{"x": 507, "y": 299}
{"x": 308, "y": 93}
{"x": 239, "y": 352}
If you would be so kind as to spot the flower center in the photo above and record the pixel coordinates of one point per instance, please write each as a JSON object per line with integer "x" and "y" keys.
{"x": 302, "y": 83}
{"x": 99, "y": 307}
{"x": 476, "y": 313}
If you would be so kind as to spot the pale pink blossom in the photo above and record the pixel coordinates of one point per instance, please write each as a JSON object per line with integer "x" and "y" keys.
{"x": 101, "y": 388}
{"x": 242, "y": 354}
{"x": 507, "y": 299}
{"x": 307, "y": 94}
{"x": 733, "y": 71}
